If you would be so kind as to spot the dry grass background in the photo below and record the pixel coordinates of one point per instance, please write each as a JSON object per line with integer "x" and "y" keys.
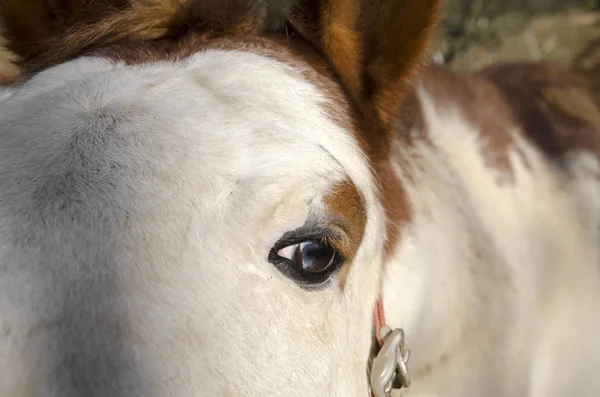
{"x": 477, "y": 33}
{"x": 554, "y": 38}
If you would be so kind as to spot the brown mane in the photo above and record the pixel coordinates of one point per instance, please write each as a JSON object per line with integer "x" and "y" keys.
{"x": 46, "y": 32}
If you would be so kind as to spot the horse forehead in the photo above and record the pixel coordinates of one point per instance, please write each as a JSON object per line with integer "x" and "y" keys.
{"x": 170, "y": 139}
{"x": 227, "y": 109}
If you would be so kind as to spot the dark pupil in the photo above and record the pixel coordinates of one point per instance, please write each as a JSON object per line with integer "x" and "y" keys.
{"x": 314, "y": 257}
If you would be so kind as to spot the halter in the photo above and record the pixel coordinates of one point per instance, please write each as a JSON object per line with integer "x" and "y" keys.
{"x": 387, "y": 363}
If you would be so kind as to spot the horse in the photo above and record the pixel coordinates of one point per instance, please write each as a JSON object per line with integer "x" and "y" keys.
{"x": 285, "y": 198}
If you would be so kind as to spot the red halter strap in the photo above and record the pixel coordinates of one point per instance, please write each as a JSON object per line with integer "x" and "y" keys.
{"x": 379, "y": 319}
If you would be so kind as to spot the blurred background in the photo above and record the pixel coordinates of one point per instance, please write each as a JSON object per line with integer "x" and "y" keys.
{"x": 476, "y": 33}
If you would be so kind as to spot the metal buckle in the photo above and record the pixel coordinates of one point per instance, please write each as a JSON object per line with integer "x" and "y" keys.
{"x": 387, "y": 368}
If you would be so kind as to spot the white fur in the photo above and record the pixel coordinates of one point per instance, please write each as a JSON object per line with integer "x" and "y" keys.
{"x": 497, "y": 284}
{"x": 137, "y": 208}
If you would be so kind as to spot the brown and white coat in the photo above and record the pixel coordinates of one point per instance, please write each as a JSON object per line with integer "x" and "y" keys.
{"x": 162, "y": 163}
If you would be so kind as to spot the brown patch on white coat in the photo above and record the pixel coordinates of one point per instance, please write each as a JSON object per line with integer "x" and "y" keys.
{"x": 555, "y": 109}
{"x": 479, "y": 101}
{"x": 347, "y": 211}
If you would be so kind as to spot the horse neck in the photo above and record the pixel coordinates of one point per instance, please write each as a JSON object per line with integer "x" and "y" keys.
{"x": 488, "y": 251}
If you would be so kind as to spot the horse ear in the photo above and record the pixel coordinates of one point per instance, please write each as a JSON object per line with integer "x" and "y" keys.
{"x": 375, "y": 46}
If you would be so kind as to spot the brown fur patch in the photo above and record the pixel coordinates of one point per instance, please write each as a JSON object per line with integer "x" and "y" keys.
{"x": 481, "y": 103}
{"x": 347, "y": 213}
{"x": 558, "y": 109}
{"x": 395, "y": 203}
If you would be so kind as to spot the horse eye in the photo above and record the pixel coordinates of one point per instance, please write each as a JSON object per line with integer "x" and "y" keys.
{"x": 310, "y": 256}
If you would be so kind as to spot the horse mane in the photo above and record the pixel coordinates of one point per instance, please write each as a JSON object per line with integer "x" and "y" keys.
{"x": 46, "y": 32}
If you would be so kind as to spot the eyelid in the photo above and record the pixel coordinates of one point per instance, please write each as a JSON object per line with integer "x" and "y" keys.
{"x": 319, "y": 233}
